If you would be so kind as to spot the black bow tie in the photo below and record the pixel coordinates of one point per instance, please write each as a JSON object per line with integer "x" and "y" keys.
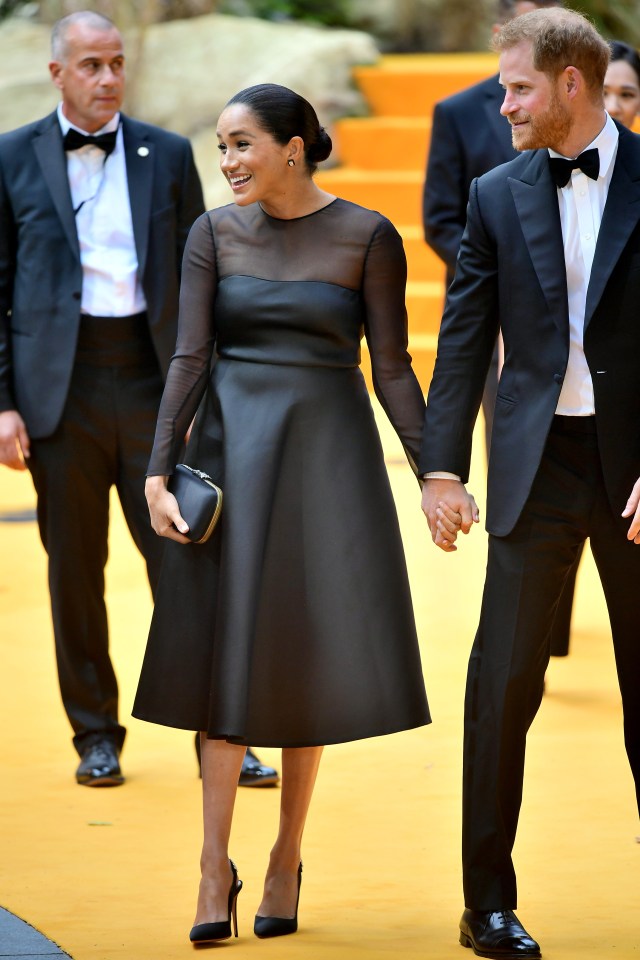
{"x": 73, "y": 140}
{"x": 588, "y": 162}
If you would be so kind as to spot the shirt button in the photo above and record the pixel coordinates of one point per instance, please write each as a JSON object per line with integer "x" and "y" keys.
{"x": 587, "y": 236}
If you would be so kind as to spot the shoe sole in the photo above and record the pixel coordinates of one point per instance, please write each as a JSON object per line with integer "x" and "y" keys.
{"x": 100, "y": 781}
{"x": 203, "y": 943}
{"x": 259, "y": 782}
{"x": 466, "y": 941}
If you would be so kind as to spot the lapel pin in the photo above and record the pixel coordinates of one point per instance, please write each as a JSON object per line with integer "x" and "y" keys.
{"x": 143, "y": 151}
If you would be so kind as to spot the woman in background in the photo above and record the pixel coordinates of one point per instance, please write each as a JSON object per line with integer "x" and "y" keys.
{"x": 622, "y": 83}
{"x": 293, "y": 625}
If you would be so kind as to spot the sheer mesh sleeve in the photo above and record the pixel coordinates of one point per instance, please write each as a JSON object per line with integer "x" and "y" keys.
{"x": 394, "y": 381}
{"x": 189, "y": 369}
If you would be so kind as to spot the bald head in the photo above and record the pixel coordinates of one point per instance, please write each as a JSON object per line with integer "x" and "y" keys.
{"x": 62, "y": 29}
{"x": 88, "y": 69}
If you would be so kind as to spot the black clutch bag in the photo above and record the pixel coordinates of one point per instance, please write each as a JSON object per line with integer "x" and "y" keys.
{"x": 199, "y": 500}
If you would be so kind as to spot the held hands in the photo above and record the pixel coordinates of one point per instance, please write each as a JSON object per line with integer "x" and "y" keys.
{"x": 163, "y": 510}
{"x": 14, "y": 440}
{"x": 632, "y": 509}
{"x": 449, "y": 509}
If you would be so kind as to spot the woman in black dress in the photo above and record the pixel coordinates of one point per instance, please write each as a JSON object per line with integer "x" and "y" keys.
{"x": 293, "y": 625}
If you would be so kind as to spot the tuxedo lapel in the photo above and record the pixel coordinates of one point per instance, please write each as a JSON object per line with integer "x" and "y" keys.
{"x": 536, "y": 200}
{"x": 620, "y": 217}
{"x": 50, "y": 154}
{"x": 139, "y": 154}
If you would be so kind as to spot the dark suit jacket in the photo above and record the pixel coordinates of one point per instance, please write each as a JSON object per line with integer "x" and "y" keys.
{"x": 40, "y": 271}
{"x": 511, "y": 273}
{"x": 468, "y": 137}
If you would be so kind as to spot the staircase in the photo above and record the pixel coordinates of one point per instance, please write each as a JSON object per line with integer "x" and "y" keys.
{"x": 383, "y": 160}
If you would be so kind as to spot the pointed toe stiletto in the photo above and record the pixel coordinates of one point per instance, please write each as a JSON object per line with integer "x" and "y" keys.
{"x": 221, "y": 930}
{"x": 264, "y": 927}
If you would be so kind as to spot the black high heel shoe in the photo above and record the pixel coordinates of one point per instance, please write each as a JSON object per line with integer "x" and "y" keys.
{"x": 264, "y": 927}
{"x": 221, "y": 930}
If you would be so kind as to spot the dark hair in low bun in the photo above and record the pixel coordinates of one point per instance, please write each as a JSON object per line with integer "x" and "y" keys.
{"x": 285, "y": 114}
{"x": 321, "y": 149}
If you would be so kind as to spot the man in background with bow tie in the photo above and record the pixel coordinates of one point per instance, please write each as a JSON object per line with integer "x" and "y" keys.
{"x": 551, "y": 253}
{"x": 94, "y": 214}
{"x": 95, "y": 209}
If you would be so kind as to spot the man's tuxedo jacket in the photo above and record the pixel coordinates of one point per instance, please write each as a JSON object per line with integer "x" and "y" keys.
{"x": 40, "y": 270}
{"x": 511, "y": 274}
{"x": 469, "y": 136}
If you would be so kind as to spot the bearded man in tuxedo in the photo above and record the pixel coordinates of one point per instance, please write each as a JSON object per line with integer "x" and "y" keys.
{"x": 469, "y": 137}
{"x": 551, "y": 254}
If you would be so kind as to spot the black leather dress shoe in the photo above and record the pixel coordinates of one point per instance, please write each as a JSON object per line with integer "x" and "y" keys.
{"x": 100, "y": 766}
{"x": 256, "y": 774}
{"x": 497, "y": 934}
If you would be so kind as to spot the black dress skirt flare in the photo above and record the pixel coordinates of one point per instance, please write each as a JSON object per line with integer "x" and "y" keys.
{"x": 293, "y": 625}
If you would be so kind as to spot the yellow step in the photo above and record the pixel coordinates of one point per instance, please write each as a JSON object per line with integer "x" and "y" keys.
{"x": 396, "y": 194}
{"x": 410, "y": 84}
{"x": 383, "y": 162}
{"x": 422, "y": 263}
{"x": 425, "y": 301}
{"x": 382, "y": 143}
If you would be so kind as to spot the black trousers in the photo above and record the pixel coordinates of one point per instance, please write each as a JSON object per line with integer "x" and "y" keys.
{"x": 526, "y": 573}
{"x": 104, "y": 439}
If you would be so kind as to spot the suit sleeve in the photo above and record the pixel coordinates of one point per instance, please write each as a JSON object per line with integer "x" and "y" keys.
{"x": 445, "y": 193}
{"x": 467, "y": 337}
{"x": 7, "y": 273}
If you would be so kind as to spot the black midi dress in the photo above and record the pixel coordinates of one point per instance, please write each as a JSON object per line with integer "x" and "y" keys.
{"x": 293, "y": 625}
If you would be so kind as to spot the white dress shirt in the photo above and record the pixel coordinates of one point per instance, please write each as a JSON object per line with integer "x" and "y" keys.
{"x": 100, "y": 198}
{"x": 581, "y": 207}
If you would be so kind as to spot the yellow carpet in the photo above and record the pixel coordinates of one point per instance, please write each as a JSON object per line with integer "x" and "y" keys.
{"x": 113, "y": 873}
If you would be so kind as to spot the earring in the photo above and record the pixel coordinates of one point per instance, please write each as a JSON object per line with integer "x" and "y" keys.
{"x": 291, "y": 162}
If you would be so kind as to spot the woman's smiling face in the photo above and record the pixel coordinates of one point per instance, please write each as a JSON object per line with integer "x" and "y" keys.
{"x": 254, "y": 164}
